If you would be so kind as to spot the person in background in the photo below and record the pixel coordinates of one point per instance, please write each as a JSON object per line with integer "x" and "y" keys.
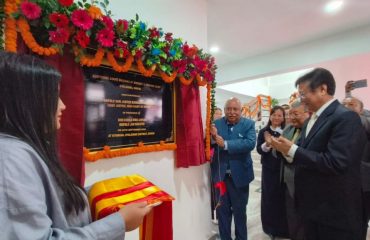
{"x": 327, "y": 160}
{"x": 286, "y": 108}
{"x": 235, "y": 137}
{"x": 357, "y": 106}
{"x": 39, "y": 200}
{"x": 217, "y": 114}
{"x": 348, "y": 94}
{"x": 298, "y": 115}
{"x": 273, "y": 211}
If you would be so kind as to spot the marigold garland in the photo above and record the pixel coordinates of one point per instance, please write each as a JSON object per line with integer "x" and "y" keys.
{"x": 146, "y": 72}
{"x": 208, "y": 124}
{"x": 168, "y": 78}
{"x": 141, "y": 148}
{"x": 30, "y": 41}
{"x": 10, "y": 7}
{"x": 201, "y": 82}
{"x": 120, "y": 68}
{"x": 91, "y": 62}
{"x": 185, "y": 81}
{"x": 95, "y": 12}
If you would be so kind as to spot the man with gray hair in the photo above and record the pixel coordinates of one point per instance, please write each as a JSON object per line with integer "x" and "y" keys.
{"x": 298, "y": 115}
{"x": 232, "y": 168}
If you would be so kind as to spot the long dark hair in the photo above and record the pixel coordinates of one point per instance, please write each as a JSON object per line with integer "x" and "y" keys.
{"x": 273, "y": 110}
{"x": 29, "y": 94}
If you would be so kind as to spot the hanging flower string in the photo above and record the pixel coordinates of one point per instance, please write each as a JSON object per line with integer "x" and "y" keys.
{"x": 30, "y": 41}
{"x": 10, "y": 7}
{"x": 168, "y": 78}
{"x": 146, "y": 72}
{"x": 120, "y": 68}
{"x": 107, "y": 152}
{"x": 208, "y": 124}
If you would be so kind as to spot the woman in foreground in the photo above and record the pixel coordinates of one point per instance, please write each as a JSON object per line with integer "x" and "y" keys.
{"x": 38, "y": 199}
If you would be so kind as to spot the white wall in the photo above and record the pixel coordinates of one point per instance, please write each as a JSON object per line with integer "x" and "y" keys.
{"x": 345, "y": 54}
{"x": 190, "y": 187}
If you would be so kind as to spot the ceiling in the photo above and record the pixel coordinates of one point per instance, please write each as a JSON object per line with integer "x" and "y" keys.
{"x": 246, "y": 28}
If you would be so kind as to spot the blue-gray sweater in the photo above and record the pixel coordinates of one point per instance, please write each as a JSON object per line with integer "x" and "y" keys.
{"x": 31, "y": 203}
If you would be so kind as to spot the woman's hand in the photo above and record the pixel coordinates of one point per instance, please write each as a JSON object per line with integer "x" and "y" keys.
{"x": 134, "y": 213}
{"x": 268, "y": 140}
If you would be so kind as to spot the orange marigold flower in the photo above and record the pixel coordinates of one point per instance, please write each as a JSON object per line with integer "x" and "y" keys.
{"x": 95, "y": 12}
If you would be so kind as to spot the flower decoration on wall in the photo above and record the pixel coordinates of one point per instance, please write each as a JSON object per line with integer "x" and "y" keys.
{"x": 47, "y": 26}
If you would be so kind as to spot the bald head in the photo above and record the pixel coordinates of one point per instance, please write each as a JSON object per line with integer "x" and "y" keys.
{"x": 233, "y": 110}
{"x": 354, "y": 104}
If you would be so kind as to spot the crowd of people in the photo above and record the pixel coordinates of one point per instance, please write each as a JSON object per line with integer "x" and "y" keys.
{"x": 315, "y": 165}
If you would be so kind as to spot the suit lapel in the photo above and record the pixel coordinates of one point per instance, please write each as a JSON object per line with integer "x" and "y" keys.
{"x": 320, "y": 122}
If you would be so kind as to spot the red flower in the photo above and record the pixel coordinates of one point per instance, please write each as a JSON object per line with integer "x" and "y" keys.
{"x": 105, "y": 37}
{"x": 82, "y": 19}
{"x": 61, "y": 35}
{"x": 168, "y": 37}
{"x": 154, "y": 33}
{"x": 31, "y": 10}
{"x": 121, "y": 50}
{"x": 108, "y": 22}
{"x": 139, "y": 54}
{"x": 65, "y": 3}
{"x": 122, "y": 26}
{"x": 59, "y": 20}
{"x": 180, "y": 65}
{"x": 82, "y": 39}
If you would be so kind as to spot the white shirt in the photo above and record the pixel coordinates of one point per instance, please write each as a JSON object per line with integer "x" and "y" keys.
{"x": 294, "y": 147}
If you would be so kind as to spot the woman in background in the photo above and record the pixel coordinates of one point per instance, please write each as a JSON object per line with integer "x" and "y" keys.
{"x": 273, "y": 213}
{"x": 38, "y": 199}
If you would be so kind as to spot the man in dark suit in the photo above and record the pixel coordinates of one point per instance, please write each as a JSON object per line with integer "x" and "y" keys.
{"x": 235, "y": 137}
{"x": 327, "y": 160}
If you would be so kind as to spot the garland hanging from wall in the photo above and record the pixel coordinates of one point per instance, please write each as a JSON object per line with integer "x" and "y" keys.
{"x": 46, "y": 26}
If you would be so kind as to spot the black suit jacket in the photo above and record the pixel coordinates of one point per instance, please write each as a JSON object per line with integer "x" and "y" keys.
{"x": 328, "y": 184}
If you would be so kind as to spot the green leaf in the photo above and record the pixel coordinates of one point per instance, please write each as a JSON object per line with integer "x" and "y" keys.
{"x": 80, "y": 4}
{"x": 87, "y": 5}
{"x": 102, "y": 5}
{"x": 84, "y": 1}
{"x": 106, "y": 2}
{"x": 137, "y": 17}
{"x": 47, "y": 24}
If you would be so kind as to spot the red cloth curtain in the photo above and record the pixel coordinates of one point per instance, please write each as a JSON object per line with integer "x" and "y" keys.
{"x": 71, "y": 134}
{"x": 189, "y": 128}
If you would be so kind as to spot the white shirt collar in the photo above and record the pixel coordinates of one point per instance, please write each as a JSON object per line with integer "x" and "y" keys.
{"x": 323, "y": 107}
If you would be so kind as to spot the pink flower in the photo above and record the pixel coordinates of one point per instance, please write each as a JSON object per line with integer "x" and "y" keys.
{"x": 31, "y": 10}
{"x": 61, "y": 35}
{"x": 82, "y": 39}
{"x": 65, "y": 3}
{"x": 108, "y": 22}
{"x": 82, "y": 19}
{"x": 105, "y": 37}
{"x": 122, "y": 26}
{"x": 59, "y": 20}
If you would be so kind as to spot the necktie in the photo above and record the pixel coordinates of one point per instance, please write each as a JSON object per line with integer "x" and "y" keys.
{"x": 296, "y": 135}
{"x": 311, "y": 123}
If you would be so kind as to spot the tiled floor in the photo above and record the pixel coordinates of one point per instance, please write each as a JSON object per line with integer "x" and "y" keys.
{"x": 254, "y": 208}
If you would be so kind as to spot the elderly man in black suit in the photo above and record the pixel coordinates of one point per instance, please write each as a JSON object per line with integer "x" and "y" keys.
{"x": 327, "y": 157}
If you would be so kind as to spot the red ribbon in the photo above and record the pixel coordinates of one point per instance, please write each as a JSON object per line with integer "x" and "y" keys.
{"x": 221, "y": 187}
